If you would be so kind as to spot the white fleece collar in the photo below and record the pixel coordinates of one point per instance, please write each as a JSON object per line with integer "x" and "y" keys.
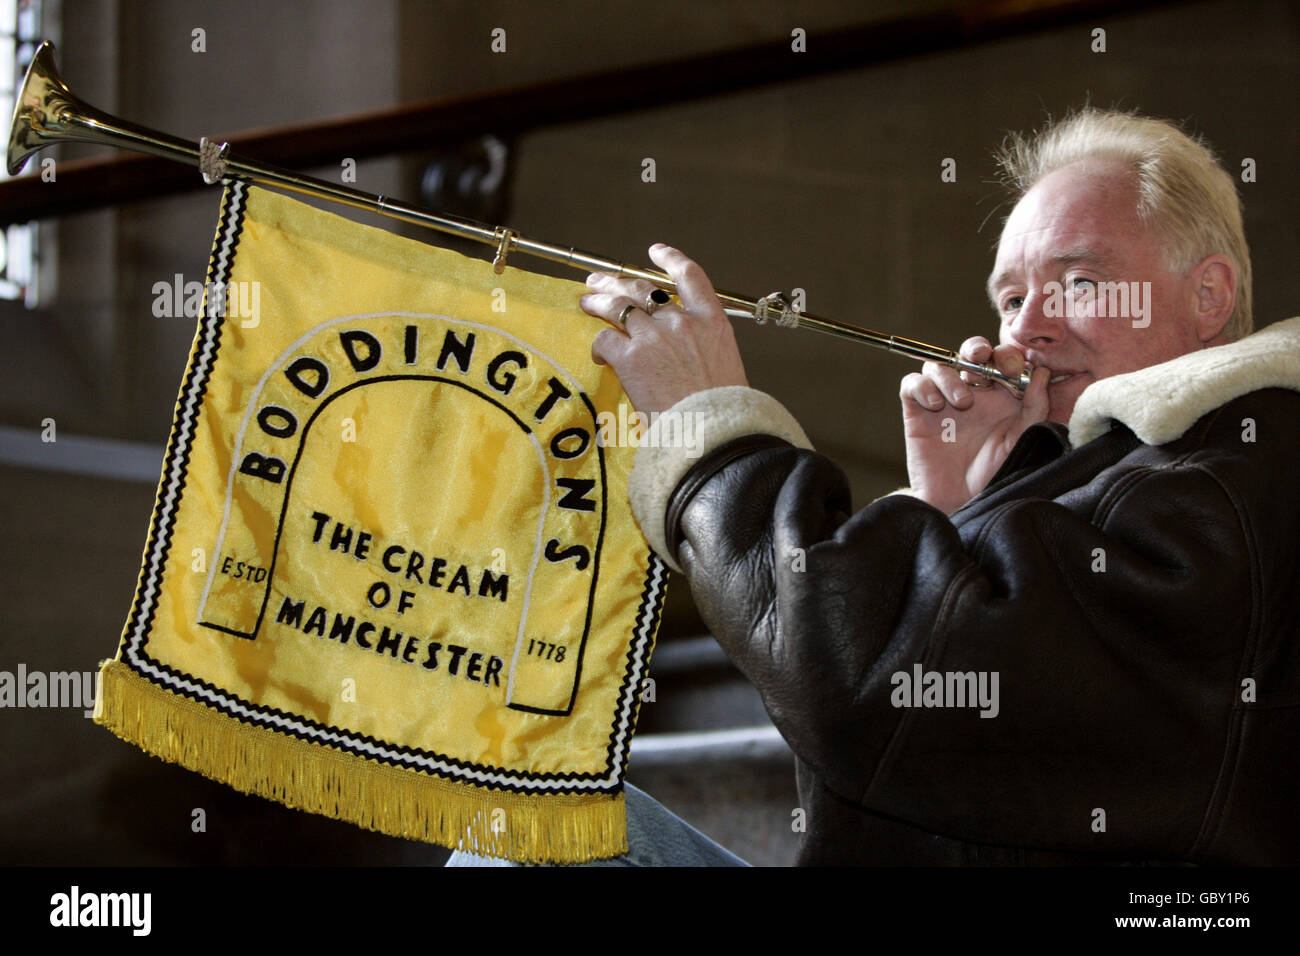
{"x": 1160, "y": 402}
{"x": 720, "y": 414}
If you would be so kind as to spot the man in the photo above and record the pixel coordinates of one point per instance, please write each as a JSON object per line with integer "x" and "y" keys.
{"x": 1118, "y": 597}
{"x": 1059, "y": 644}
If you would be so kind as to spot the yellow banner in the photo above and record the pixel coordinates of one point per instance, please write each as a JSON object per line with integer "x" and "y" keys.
{"x": 392, "y": 576}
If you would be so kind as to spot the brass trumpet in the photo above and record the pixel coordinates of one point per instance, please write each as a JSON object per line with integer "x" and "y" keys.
{"x": 47, "y": 112}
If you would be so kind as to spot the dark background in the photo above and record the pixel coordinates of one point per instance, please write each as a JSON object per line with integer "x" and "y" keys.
{"x": 831, "y": 184}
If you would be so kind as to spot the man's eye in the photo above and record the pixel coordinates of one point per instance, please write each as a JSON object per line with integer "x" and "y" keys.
{"x": 1078, "y": 282}
{"x": 1012, "y": 303}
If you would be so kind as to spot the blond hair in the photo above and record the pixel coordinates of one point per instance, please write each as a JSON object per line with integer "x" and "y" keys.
{"x": 1184, "y": 194}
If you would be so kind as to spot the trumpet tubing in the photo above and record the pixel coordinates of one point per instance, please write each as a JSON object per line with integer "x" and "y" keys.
{"x": 47, "y": 112}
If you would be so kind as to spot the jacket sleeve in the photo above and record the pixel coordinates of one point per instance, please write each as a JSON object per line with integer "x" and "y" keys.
{"x": 1109, "y": 635}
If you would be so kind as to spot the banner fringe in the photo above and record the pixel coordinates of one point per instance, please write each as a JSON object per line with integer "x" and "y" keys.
{"x": 528, "y": 828}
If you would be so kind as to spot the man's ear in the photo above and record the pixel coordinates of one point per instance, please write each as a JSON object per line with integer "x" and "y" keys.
{"x": 1215, "y": 289}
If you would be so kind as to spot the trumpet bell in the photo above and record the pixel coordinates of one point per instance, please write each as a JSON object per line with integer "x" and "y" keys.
{"x": 39, "y": 109}
{"x": 47, "y": 112}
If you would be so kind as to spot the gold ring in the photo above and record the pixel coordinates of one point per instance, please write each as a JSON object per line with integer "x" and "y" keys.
{"x": 622, "y": 316}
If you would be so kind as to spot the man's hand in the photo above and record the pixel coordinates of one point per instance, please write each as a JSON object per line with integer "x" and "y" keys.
{"x": 957, "y": 434}
{"x": 679, "y": 350}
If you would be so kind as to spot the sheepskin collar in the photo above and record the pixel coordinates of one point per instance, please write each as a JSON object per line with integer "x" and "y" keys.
{"x": 1159, "y": 403}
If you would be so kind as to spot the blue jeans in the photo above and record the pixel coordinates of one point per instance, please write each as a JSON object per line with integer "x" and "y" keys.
{"x": 655, "y": 837}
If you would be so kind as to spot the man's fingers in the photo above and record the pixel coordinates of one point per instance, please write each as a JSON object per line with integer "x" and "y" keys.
{"x": 1035, "y": 405}
{"x": 604, "y": 305}
{"x": 976, "y": 348}
{"x": 609, "y": 306}
{"x": 693, "y": 286}
{"x": 920, "y": 389}
{"x": 635, "y": 289}
{"x": 951, "y": 386}
{"x": 1009, "y": 359}
{"x": 608, "y": 346}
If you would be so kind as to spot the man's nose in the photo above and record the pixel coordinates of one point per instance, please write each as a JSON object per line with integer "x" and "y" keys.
{"x": 1035, "y": 323}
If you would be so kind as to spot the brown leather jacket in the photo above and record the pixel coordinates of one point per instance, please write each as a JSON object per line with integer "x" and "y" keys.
{"x": 1138, "y": 601}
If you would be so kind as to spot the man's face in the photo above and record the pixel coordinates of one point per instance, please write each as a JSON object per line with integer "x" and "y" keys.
{"x": 1079, "y": 227}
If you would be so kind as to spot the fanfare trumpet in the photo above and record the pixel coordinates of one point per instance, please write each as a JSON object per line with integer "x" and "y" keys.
{"x": 47, "y": 112}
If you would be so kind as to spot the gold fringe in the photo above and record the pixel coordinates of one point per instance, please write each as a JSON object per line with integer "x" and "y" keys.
{"x": 532, "y": 828}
